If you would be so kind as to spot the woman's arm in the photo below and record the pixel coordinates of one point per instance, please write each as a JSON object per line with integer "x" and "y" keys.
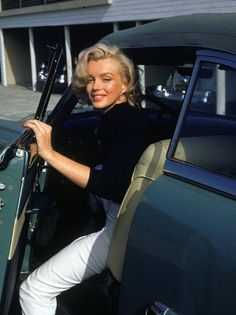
{"x": 74, "y": 171}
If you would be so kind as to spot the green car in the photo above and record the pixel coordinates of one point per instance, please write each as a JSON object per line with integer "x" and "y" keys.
{"x": 174, "y": 246}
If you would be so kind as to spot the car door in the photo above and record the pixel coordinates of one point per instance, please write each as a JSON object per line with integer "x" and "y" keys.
{"x": 181, "y": 251}
{"x": 17, "y": 183}
{"x": 19, "y": 178}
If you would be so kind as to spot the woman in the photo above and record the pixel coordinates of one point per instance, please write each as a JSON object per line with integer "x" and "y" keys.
{"x": 107, "y": 77}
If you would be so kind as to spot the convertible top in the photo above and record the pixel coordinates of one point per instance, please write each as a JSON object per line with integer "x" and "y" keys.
{"x": 203, "y": 30}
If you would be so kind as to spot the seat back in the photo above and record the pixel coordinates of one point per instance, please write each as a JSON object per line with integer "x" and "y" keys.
{"x": 148, "y": 168}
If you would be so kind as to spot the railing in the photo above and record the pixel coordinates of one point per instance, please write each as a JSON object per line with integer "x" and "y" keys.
{"x": 16, "y": 4}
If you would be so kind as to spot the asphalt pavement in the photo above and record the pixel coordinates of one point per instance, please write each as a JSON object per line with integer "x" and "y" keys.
{"x": 17, "y": 102}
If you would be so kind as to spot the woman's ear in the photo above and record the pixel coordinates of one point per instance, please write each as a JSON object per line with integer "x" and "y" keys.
{"x": 124, "y": 88}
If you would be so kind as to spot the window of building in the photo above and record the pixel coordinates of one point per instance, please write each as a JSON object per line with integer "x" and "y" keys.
{"x": 16, "y": 4}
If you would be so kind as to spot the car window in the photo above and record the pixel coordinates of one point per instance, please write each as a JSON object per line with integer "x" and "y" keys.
{"x": 208, "y": 135}
{"x": 168, "y": 83}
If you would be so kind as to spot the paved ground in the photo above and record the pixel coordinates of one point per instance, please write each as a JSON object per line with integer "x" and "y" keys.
{"x": 17, "y": 101}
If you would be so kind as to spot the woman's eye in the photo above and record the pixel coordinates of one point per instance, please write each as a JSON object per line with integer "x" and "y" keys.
{"x": 107, "y": 79}
{"x": 90, "y": 80}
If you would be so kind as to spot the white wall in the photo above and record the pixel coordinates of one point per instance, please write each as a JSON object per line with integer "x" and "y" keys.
{"x": 119, "y": 10}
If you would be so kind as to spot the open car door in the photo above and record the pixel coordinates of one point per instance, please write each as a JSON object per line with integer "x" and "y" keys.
{"x": 19, "y": 172}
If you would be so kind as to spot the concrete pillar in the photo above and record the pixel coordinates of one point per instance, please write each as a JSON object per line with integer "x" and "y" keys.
{"x": 115, "y": 26}
{"x": 141, "y": 72}
{"x": 68, "y": 54}
{"x": 220, "y": 92}
{"x": 32, "y": 60}
{"x": 142, "y": 77}
{"x": 3, "y": 59}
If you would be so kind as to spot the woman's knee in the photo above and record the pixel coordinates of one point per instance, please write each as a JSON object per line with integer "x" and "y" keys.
{"x": 23, "y": 290}
{"x": 25, "y": 293}
{"x": 27, "y": 287}
{"x": 31, "y": 288}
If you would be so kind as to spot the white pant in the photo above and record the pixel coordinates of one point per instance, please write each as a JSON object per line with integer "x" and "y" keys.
{"x": 78, "y": 261}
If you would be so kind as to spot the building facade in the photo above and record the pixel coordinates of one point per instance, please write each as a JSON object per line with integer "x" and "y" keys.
{"x": 28, "y": 28}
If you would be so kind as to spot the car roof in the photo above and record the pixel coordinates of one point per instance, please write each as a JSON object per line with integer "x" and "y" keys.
{"x": 202, "y": 30}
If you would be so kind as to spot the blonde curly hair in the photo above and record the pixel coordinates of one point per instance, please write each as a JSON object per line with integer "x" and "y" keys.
{"x": 102, "y": 51}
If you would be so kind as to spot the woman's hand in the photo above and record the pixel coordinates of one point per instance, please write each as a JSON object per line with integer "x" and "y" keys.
{"x": 74, "y": 171}
{"x": 43, "y": 134}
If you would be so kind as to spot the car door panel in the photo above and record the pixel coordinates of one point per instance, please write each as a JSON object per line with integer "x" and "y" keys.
{"x": 181, "y": 251}
{"x": 11, "y": 215}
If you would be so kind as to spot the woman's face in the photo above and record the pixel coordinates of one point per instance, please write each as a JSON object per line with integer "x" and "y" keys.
{"x": 105, "y": 86}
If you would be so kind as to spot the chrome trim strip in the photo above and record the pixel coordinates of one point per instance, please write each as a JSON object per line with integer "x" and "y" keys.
{"x": 201, "y": 177}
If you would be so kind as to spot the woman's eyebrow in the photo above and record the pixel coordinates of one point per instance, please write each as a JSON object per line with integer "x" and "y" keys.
{"x": 101, "y": 74}
{"x": 107, "y": 73}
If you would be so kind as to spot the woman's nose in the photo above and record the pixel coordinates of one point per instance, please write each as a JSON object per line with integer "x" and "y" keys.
{"x": 96, "y": 84}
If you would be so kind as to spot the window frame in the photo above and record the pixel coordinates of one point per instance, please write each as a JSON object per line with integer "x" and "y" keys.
{"x": 196, "y": 175}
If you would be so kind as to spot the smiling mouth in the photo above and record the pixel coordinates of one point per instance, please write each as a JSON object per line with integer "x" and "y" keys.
{"x": 97, "y": 97}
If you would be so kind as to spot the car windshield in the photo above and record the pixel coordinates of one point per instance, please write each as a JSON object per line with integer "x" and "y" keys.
{"x": 9, "y": 131}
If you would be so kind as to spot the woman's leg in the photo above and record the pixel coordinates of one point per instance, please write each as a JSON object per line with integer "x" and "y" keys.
{"x": 80, "y": 260}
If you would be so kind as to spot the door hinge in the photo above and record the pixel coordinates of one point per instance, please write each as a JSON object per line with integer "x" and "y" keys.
{"x": 1, "y": 203}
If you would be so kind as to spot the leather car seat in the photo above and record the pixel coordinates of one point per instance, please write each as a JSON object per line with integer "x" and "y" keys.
{"x": 148, "y": 169}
